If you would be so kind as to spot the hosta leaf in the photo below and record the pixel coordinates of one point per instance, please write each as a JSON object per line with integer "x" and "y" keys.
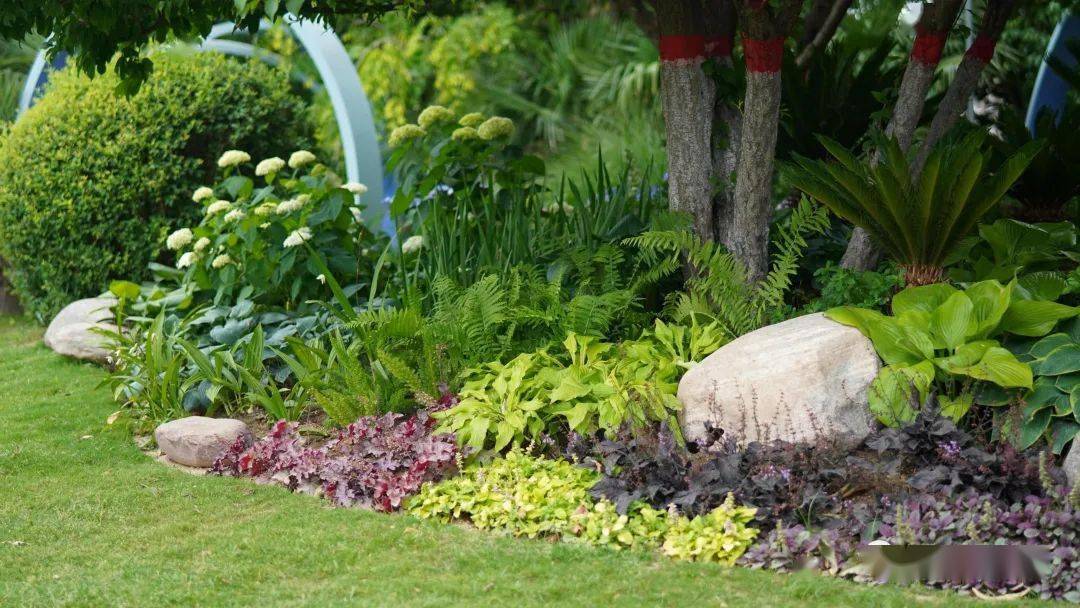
{"x": 892, "y": 392}
{"x": 952, "y": 321}
{"x": 1034, "y": 427}
{"x": 1062, "y": 360}
{"x": 1047, "y": 345}
{"x": 1062, "y": 432}
{"x": 1002, "y": 368}
{"x": 568, "y": 389}
{"x": 925, "y": 298}
{"x": 478, "y": 429}
{"x": 955, "y": 407}
{"x": 1034, "y": 318}
{"x": 990, "y": 300}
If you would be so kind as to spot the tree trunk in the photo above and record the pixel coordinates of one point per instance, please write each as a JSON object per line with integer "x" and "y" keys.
{"x": 967, "y": 77}
{"x": 931, "y": 32}
{"x": 815, "y": 19}
{"x": 764, "y": 32}
{"x": 727, "y": 120}
{"x": 688, "y": 96}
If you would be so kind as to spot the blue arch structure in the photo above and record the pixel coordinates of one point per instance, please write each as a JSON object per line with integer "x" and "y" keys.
{"x": 356, "y": 125}
{"x": 1050, "y": 89}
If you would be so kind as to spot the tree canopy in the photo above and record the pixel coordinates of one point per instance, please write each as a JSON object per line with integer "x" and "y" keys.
{"x": 96, "y": 30}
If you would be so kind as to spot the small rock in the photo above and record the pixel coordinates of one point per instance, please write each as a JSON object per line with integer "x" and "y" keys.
{"x": 798, "y": 381}
{"x": 71, "y": 331}
{"x": 197, "y": 441}
{"x": 1072, "y": 463}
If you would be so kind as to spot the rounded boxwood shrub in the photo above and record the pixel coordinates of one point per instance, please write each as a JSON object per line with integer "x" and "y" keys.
{"x": 91, "y": 182}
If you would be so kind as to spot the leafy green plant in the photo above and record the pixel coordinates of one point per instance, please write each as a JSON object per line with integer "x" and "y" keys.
{"x": 718, "y": 290}
{"x": 540, "y": 498}
{"x": 1037, "y": 255}
{"x": 1051, "y": 408}
{"x": 591, "y": 385}
{"x": 841, "y": 286}
{"x": 917, "y": 221}
{"x": 91, "y": 182}
{"x": 147, "y": 372}
{"x": 940, "y": 334}
{"x": 722, "y": 535}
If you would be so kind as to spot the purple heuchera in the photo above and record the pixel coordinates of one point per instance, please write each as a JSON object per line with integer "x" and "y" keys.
{"x": 375, "y": 462}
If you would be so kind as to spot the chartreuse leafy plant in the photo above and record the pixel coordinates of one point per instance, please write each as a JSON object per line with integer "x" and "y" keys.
{"x": 591, "y": 385}
{"x": 918, "y": 221}
{"x": 947, "y": 338}
{"x": 542, "y": 498}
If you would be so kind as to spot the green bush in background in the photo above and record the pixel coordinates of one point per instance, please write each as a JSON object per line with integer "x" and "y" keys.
{"x": 91, "y": 182}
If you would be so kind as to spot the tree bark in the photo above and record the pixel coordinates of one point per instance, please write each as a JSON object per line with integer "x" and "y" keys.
{"x": 815, "y": 19}
{"x": 688, "y": 96}
{"x": 931, "y": 32}
{"x": 977, "y": 57}
{"x": 720, "y": 21}
{"x": 764, "y": 31}
{"x": 824, "y": 33}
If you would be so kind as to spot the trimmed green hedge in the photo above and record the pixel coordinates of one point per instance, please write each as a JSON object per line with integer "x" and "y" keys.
{"x": 92, "y": 182}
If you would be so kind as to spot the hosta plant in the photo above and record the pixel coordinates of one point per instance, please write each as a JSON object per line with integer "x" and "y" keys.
{"x": 942, "y": 337}
{"x": 590, "y": 385}
{"x": 916, "y": 220}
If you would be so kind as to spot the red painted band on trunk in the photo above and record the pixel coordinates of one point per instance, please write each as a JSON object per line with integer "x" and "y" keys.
{"x": 763, "y": 55}
{"x": 677, "y": 48}
{"x": 982, "y": 48}
{"x": 928, "y": 46}
{"x": 719, "y": 46}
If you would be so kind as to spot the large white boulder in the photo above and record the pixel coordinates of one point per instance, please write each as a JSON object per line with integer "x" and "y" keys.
{"x": 71, "y": 331}
{"x": 799, "y": 381}
{"x": 196, "y": 441}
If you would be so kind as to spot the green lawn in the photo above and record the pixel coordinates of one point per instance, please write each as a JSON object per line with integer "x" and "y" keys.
{"x": 87, "y": 520}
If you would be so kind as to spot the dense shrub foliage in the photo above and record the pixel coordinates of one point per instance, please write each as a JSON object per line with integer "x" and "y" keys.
{"x": 91, "y": 182}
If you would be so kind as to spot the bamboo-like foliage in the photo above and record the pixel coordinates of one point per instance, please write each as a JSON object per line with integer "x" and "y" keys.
{"x": 916, "y": 221}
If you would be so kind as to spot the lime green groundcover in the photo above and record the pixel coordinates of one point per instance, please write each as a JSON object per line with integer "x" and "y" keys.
{"x": 87, "y": 520}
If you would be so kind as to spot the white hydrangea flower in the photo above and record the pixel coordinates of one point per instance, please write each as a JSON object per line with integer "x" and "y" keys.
{"x": 355, "y": 188}
{"x": 188, "y": 259}
{"x": 356, "y": 214}
{"x": 217, "y": 207}
{"x": 265, "y": 209}
{"x": 179, "y": 239}
{"x": 287, "y": 207}
{"x": 268, "y": 166}
{"x": 231, "y": 158}
{"x": 235, "y": 215}
{"x": 298, "y": 237}
{"x": 412, "y": 244}
{"x": 201, "y": 244}
{"x": 301, "y": 158}
{"x": 221, "y": 261}
{"x": 202, "y": 193}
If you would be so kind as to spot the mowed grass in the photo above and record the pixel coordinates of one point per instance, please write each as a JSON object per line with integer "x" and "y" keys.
{"x": 88, "y": 520}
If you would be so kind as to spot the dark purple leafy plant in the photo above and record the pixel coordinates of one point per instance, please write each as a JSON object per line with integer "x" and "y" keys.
{"x": 376, "y": 462}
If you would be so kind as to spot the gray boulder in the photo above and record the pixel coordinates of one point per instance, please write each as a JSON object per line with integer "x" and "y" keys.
{"x": 799, "y": 381}
{"x": 197, "y": 441}
{"x": 71, "y": 331}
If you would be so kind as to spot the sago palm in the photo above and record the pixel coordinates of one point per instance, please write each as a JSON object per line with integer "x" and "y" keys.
{"x": 916, "y": 220}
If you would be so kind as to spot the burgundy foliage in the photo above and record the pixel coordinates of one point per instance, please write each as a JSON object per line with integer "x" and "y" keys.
{"x": 376, "y": 462}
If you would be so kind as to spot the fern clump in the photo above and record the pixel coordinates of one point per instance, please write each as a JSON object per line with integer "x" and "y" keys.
{"x": 719, "y": 290}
